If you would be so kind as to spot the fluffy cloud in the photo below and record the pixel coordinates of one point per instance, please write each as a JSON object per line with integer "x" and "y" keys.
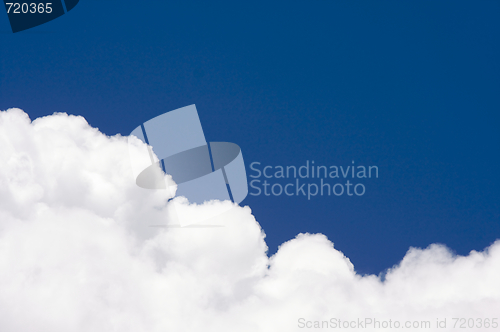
{"x": 77, "y": 254}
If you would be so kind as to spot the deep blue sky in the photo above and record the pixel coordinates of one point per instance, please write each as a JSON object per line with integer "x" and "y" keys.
{"x": 412, "y": 87}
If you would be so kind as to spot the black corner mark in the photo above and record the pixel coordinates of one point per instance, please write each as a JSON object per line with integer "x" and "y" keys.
{"x": 26, "y": 14}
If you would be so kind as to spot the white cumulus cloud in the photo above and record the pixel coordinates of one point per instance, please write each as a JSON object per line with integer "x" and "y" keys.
{"x": 77, "y": 254}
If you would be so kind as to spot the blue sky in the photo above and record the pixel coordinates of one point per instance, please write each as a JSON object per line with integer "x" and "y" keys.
{"x": 411, "y": 87}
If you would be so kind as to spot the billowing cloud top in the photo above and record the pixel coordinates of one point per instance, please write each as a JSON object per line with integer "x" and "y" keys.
{"x": 76, "y": 254}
